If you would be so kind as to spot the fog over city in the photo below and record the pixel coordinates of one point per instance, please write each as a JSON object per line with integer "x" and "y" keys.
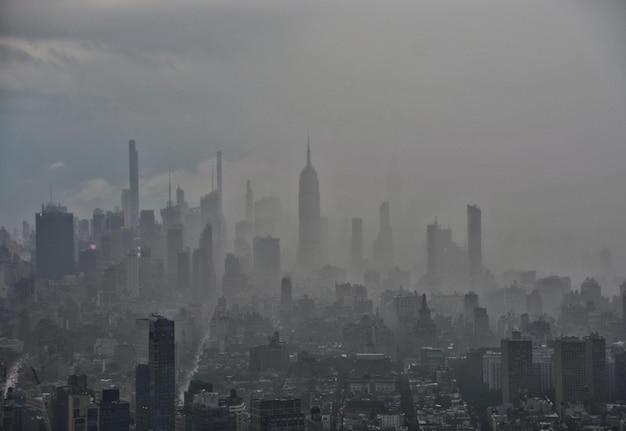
{"x": 409, "y": 210}
{"x": 517, "y": 106}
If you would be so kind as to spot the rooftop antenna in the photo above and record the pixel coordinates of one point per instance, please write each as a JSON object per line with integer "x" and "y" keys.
{"x": 308, "y": 149}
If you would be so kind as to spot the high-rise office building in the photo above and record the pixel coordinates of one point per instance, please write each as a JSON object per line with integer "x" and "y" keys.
{"x": 211, "y": 210}
{"x": 356, "y": 244}
{"x": 266, "y": 261}
{"x": 433, "y": 249}
{"x": 281, "y": 413}
{"x": 474, "y": 244}
{"x": 383, "y": 245}
{"x": 309, "y": 252}
{"x": 596, "y": 365}
{"x": 114, "y": 413}
{"x": 133, "y": 162}
{"x": 203, "y": 277}
{"x": 517, "y": 368}
{"x": 54, "y": 239}
{"x": 570, "y": 372}
{"x": 155, "y": 374}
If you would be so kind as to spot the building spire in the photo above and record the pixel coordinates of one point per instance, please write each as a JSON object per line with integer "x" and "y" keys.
{"x": 308, "y": 150}
{"x": 169, "y": 185}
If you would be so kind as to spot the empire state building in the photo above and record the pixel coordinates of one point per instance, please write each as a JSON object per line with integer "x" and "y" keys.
{"x": 309, "y": 253}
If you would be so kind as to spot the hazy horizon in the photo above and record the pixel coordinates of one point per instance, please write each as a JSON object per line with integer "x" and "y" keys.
{"x": 517, "y": 107}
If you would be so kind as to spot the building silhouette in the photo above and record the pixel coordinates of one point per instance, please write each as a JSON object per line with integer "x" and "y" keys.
{"x": 474, "y": 245}
{"x": 309, "y": 252}
{"x": 596, "y": 368}
{"x": 356, "y": 244}
{"x": 54, "y": 239}
{"x": 211, "y": 212}
{"x": 383, "y": 244}
{"x": 133, "y": 162}
{"x": 517, "y": 368}
{"x": 155, "y": 374}
{"x": 570, "y": 376}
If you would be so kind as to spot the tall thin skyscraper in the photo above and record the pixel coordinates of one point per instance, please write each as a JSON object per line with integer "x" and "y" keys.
{"x": 249, "y": 203}
{"x": 309, "y": 253}
{"x": 219, "y": 182}
{"x": 474, "y": 244}
{"x": 155, "y": 374}
{"x": 133, "y": 161}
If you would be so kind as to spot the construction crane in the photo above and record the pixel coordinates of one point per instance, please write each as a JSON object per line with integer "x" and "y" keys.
{"x": 44, "y": 410}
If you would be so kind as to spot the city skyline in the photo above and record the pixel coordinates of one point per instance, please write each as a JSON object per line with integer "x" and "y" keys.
{"x": 474, "y": 111}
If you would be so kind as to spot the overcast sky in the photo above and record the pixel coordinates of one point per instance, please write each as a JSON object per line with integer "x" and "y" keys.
{"x": 518, "y": 106}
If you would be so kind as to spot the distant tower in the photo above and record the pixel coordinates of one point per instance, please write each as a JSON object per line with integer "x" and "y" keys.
{"x": 309, "y": 253}
{"x": 432, "y": 249}
{"x": 474, "y": 245}
{"x": 356, "y": 244}
{"x": 155, "y": 374}
{"x": 133, "y": 161}
{"x": 249, "y": 203}
{"x": 383, "y": 245}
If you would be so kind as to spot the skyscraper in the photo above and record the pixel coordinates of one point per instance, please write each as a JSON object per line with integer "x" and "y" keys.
{"x": 432, "y": 249}
{"x": 383, "y": 245}
{"x": 249, "y": 203}
{"x": 133, "y": 161}
{"x": 356, "y": 244}
{"x": 517, "y": 368}
{"x": 595, "y": 363}
{"x": 474, "y": 244}
{"x": 309, "y": 253}
{"x": 155, "y": 374}
{"x": 54, "y": 239}
{"x": 570, "y": 376}
{"x": 211, "y": 213}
